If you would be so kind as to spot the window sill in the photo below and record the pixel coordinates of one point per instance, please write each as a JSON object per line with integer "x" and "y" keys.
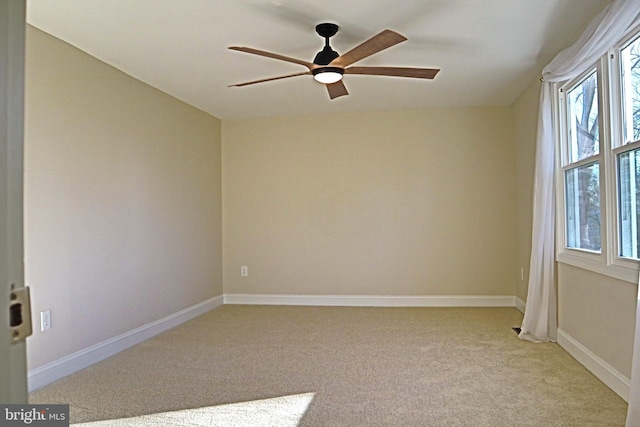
{"x": 594, "y": 263}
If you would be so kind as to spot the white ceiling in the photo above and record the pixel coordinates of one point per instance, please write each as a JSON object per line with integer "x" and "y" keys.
{"x": 488, "y": 50}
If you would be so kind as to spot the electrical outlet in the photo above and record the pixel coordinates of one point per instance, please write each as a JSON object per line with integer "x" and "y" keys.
{"x": 45, "y": 320}
{"x": 244, "y": 271}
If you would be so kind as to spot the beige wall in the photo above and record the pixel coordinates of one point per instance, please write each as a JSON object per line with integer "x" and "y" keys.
{"x": 599, "y": 312}
{"x": 388, "y": 203}
{"x": 123, "y": 200}
{"x": 525, "y": 121}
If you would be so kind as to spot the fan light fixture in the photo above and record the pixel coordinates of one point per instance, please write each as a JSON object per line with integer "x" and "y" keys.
{"x": 328, "y": 75}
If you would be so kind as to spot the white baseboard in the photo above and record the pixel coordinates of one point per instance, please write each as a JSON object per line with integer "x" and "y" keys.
{"x": 520, "y": 304}
{"x": 373, "y": 300}
{"x": 598, "y": 367}
{"x": 67, "y": 365}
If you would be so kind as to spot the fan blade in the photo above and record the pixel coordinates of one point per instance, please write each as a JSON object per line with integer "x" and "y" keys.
{"x": 307, "y": 64}
{"x": 375, "y": 44}
{"x": 418, "y": 73}
{"x": 271, "y": 78}
{"x": 337, "y": 89}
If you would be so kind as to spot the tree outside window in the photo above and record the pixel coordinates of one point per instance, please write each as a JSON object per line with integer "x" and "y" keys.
{"x": 582, "y": 183}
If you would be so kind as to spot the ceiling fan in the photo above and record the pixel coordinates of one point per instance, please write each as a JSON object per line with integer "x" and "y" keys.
{"x": 328, "y": 67}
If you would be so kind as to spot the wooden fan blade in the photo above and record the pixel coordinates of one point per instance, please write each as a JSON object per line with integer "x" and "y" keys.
{"x": 336, "y": 89}
{"x": 264, "y": 53}
{"x": 271, "y": 78}
{"x": 418, "y": 73}
{"x": 375, "y": 44}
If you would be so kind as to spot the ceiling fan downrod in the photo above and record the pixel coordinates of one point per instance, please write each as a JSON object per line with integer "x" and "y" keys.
{"x": 326, "y": 55}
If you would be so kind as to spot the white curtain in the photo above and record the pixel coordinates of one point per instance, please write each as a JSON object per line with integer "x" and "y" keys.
{"x": 540, "y": 319}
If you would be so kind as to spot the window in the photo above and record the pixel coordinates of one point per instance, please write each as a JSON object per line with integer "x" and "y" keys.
{"x": 628, "y": 161}
{"x": 630, "y": 77}
{"x": 629, "y": 184}
{"x": 599, "y": 132}
{"x": 582, "y": 174}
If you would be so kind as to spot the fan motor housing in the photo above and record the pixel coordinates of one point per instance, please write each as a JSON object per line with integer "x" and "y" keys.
{"x": 326, "y": 55}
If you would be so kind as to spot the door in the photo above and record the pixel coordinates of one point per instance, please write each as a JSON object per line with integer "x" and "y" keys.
{"x": 13, "y": 370}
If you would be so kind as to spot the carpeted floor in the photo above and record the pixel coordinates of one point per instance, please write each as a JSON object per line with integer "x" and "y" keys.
{"x": 364, "y": 367}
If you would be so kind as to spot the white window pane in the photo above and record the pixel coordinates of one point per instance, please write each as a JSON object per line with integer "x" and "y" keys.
{"x": 583, "y": 119}
{"x": 629, "y": 207}
{"x": 630, "y": 64}
{"x": 583, "y": 207}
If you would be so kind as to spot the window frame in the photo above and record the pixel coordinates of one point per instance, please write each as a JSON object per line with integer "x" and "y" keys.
{"x": 608, "y": 260}
{"x": 584, "y": 258}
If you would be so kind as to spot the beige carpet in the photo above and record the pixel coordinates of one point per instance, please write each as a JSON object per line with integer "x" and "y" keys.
{"x": 364, "y": 366}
